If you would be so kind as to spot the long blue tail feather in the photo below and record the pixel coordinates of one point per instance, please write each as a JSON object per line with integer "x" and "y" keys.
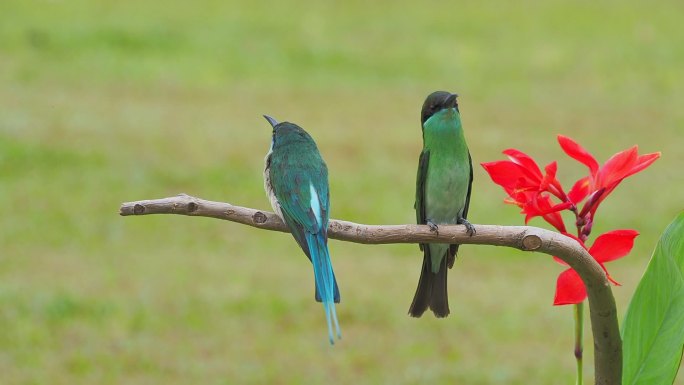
{"x": 325, "y": 280}
{"x": 336, "y": 291}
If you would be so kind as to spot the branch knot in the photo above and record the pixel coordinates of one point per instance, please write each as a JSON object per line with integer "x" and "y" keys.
{"x": 138, "y": 209}
{"x": 259, "y": 217}
{"x": 531, "y": 242}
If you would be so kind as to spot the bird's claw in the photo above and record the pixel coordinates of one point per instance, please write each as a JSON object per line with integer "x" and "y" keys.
{"x": 433, "y": 227}
{"x": 470, "y": 229}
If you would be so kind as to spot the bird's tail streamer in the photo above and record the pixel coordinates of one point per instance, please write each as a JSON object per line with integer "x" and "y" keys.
{"x": 325, "y": 281}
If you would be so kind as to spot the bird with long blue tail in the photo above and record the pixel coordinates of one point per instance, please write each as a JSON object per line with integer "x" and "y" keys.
{"x": 296, "y": 182}
{"x": 443, "y": 187}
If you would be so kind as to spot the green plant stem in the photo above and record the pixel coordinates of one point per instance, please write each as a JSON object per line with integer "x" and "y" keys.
{"x": 579, "y": 333}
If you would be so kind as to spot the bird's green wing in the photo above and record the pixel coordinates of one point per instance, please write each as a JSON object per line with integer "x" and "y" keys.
{"x": 470, "y": 187}
{"x": 453, "y": 249}
{"x": 303, "y": 195}
{"x": 298, "y": 233}
{"x": 420, "y": 188}
{"x": 298, "y": 177}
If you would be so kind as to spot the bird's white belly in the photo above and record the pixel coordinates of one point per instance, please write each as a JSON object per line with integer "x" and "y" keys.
{"x": 269, "y": 188}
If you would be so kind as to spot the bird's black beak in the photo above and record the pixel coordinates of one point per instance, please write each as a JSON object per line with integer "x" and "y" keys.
{"x": 271, "y": 120}
{"x": 450, "y": 101}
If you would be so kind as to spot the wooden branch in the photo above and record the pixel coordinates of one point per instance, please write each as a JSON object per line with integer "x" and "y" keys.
{"x": 604, "y": 324}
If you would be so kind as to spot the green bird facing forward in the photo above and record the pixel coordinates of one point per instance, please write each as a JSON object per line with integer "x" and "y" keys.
{"x": 445, "y": 177}
{"x": 296, "y": 182}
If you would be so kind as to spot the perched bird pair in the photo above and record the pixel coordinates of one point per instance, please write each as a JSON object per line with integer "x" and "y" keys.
{"x": 296, "y": 181}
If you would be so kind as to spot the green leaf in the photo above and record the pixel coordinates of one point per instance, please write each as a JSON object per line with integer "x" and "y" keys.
{"x": 653, "y": 330}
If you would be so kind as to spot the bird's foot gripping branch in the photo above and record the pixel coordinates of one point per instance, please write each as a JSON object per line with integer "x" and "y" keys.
{"x": 607, "y": 342}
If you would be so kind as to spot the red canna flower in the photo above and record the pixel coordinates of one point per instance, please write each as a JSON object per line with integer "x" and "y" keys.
{"x": 525, "y": 184}
{"x": 607, "y": 247}
{"x": 607, "y": 177}
{"x": 541, "y": 194}
{"x": 521, "y": 173}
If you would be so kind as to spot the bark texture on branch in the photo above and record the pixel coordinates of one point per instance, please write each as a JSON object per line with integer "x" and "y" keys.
{"x": 603, "y": 313}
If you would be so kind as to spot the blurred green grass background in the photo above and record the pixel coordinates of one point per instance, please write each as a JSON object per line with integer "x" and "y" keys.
{"x": 103, "y": 102}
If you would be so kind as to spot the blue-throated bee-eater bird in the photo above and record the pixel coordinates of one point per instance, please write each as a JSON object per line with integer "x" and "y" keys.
{"x": 443, "y": 185}
{"x": 296, "y": 182}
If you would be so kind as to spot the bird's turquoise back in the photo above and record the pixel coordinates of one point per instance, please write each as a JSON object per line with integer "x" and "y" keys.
{"x": 298, "y": 179}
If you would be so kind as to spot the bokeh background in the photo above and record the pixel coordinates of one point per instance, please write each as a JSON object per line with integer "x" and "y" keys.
{"x": 103, "y": 102}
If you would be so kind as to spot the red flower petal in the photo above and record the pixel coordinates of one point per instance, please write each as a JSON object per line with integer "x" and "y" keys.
{"x": 551, "y": 184}
{"x": 556, "y": 221}
{"x": 542, "y": 205}
{"x": 642, "y": 162}
{"x": 506, "y": 174}
{"x": 577, "y": 152}
{"x": 580, "y": 190}
{"x": 561, "y": 206}
{"x": 569, "y": 289}
{"x": 520, "y": 198}
{"x": 619, "y": 167}
{"x": 616, "y": 168}
{"x": 550, "y": 177}
{"x": 613, "y": 245}
{"x": 524, "y": 160}
{"x": 551, "y": 169}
